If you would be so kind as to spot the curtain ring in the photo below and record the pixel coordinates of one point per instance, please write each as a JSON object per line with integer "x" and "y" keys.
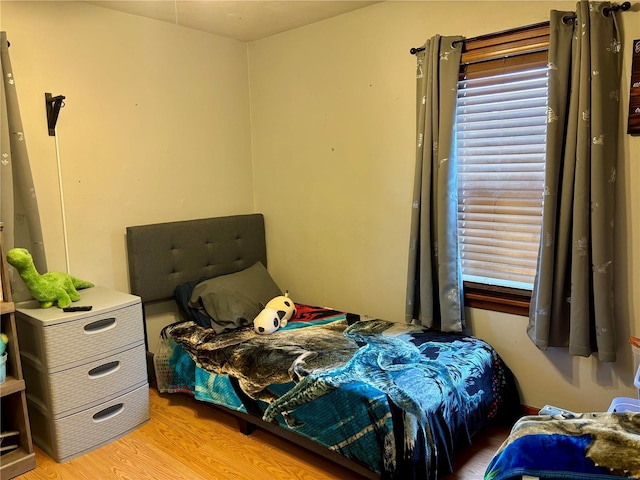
{"x": 569, "y": 19}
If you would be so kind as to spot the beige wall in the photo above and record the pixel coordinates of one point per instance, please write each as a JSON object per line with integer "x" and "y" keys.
{"x": 157, "y": 128}
{"x": 333, "y": 115}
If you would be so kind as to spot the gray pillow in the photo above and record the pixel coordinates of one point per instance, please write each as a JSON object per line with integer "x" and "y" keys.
{"x": 234, "y": 300}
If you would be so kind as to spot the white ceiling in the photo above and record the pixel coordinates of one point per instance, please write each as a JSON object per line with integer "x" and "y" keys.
{"x": 243, "y": 20}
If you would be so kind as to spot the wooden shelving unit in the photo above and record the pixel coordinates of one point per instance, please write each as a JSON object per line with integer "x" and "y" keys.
{"x": 16, "y": 448}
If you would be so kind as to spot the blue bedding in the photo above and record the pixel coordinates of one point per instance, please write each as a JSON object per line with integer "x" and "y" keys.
{"x": 586, "y": 446}
{"x": 397, "y": 399}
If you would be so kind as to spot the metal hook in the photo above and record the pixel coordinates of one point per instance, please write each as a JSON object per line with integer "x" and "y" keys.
{"x": 53, "y": 104}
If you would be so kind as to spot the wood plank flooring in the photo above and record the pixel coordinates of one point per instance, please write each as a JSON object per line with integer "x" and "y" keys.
{"x": 190, "y": 440}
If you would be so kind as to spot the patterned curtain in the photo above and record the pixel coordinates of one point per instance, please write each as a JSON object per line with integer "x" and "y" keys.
{"x": 434, "y": 284}
{"x": 572, "y": 303}
{"x": 18, "y": 203}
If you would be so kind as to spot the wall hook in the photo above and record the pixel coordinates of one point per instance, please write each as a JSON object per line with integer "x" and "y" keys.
{"x": 54, "y": 104}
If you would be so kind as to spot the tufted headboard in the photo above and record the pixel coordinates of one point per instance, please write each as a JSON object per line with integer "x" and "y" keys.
{"x": 164, "y": 255}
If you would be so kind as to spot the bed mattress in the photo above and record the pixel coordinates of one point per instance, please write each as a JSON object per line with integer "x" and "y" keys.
{"x": 397, "y": 399}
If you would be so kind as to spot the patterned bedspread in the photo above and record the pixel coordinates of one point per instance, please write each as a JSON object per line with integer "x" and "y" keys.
{"x": 395, "y": 398}
{"x": 585, "y": 446}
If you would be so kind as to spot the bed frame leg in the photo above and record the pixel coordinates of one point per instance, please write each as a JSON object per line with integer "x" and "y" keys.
{"x": 247, "y": 428}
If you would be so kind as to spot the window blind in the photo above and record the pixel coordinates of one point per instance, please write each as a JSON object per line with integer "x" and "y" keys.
{"x": 501, "y": 136}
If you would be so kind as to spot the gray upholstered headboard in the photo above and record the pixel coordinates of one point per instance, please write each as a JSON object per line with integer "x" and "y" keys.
{"x": 164, "y": 255}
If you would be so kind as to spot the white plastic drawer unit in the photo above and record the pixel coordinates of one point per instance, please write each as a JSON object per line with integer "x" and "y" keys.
{"x": 85, "y": 371}
{"x": 55, "y": 338}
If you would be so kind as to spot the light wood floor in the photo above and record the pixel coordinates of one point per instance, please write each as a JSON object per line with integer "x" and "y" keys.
{"x": 190, "y": 440}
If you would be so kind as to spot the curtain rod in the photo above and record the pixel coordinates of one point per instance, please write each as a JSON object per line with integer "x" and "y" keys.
{"x": 623, "y": 7}
{"x": 413, "y": 51}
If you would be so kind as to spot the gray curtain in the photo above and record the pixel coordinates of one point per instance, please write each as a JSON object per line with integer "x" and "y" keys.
{"x": 434, "y": 284}
{"x": 572, "y": 303}
{"x": 18, "y": 203}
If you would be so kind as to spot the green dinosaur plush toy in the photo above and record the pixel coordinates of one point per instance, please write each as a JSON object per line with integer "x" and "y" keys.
{"x": 51, "y": 288}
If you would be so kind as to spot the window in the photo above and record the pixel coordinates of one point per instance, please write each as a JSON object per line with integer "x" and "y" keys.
{"x": 501, "y": 137}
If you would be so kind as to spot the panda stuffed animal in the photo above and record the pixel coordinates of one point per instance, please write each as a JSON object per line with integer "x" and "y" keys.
{"x": 276, "y": 313}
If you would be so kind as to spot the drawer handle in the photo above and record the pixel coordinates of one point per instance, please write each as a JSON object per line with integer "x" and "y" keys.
{"x": 99, "y": 325}
{"x": 106, "y": 369}
{"x": 108, "y": 413}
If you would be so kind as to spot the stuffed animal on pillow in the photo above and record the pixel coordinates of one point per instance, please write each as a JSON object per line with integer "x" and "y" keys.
{"x": 276, "y": 314}
{"x": 52, "y": 288}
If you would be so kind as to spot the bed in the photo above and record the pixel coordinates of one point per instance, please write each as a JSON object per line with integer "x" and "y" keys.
{"x": 573, "y": 446}
{"x": 581, "y": 446}
{"x": 386, "y": 400}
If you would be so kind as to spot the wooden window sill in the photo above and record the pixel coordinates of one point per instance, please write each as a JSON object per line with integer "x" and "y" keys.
{"x": 498, "y": 299}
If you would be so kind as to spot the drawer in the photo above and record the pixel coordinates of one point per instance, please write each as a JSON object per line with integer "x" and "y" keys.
{"x": 91, "y": 336}
{"x": 85, "y": 385}
{"x": 89, "y": 429}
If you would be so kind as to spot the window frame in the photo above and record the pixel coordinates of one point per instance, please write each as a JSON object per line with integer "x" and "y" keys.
{"x": 509, "y": 49}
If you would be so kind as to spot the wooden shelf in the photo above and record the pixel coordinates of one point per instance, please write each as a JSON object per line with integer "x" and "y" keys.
{"x": 13, "y": 397}
{"x": 11, "y": 385}
{"x": 7, "y": 307}
{"x": 17, "y": 462}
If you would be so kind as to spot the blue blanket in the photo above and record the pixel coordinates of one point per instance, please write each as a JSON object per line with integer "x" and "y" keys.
{"x": 583, "y": 446}
{"x": 397, "y": 399}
